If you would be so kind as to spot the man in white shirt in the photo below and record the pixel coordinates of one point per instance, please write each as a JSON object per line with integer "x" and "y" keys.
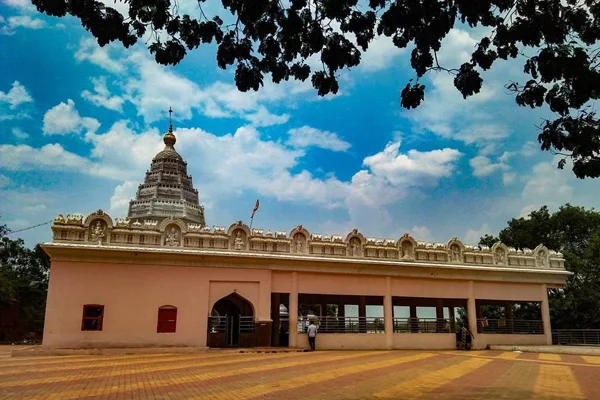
{"x": 312, "y": 334}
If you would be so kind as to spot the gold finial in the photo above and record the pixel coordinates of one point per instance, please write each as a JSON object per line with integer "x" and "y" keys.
{"x": 169, "y": 137}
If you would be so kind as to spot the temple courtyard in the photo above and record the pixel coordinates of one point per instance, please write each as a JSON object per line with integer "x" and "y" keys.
{"x": 330, "y": 375}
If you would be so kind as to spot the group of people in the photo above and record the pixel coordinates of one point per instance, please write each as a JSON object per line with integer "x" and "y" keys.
{"x": 464, "y": 338}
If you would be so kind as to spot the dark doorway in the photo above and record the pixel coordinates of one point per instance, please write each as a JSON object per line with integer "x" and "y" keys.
{"x": 231, "y": 323}
{"x": 280, "y": 329}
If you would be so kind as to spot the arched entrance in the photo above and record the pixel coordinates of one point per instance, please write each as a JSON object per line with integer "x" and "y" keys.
{"x": 231, "y": 323}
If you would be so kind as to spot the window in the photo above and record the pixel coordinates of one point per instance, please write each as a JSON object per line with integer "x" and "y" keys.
{"x": 167, "y": 319}
{"x": 93, "y": 315}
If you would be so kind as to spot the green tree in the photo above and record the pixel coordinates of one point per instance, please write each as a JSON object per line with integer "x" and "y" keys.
{"x": 23, "y": 278}
{"x": 555, "y": 40}
{"x": 574, "y": 231}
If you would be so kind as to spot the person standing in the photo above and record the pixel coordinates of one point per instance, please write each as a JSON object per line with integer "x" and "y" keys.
{"x": 312, "y": 334}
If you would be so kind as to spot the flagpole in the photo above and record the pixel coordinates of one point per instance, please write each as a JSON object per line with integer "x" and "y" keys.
{"x": 253, "y": 212}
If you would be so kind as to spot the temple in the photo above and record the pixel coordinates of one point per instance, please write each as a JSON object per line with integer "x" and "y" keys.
{"x": 162, "y": 277}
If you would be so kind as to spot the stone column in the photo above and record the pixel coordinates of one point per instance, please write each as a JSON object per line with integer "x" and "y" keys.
{"x": 413, "y": 322}
{"x": 508, "y": 315}
{"x": 341, "y": 312}
{"x": 545, "y": 308}
{"x": 472, "y": 311}
{"x": 388, "y": 314}
{"x": 362, "y": 313}
{"x": 439, "y": 315}
{"x": 275, "y": 304}
{"x": 293, "y": 311}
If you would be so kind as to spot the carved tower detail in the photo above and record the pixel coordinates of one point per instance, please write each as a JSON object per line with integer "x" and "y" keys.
{"x": 167, "y": 191}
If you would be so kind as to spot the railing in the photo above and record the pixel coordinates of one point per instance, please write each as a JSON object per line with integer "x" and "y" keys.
{"x": 424, "y": 325}
{"x": 510, "y": 326}
{"x": 343, "y": 324}
{"x": 217, "y": 324}
{"x": 247, "y": 324}
{"x": 588, "y": 337}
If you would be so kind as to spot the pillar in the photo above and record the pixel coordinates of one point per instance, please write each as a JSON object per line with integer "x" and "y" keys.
{"x": 275, "y": 304}
{"x": 440, "y": 324}
{"x": 508, "y": 315}
{"x": 388, "y": 314}
{"x": 472, "y": 311}
{"x": 362, "y": 314}
{"x": 452, "y": 319}
{"x": 323, "y": 310}
{"x": 293, "y": 311}
{"x": 545, "y": 308}
{"x": 341, "y": 312}
{"x": 413, "y": 322}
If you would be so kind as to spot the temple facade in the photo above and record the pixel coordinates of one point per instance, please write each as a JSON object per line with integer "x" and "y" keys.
{"x": 161, "y": 277}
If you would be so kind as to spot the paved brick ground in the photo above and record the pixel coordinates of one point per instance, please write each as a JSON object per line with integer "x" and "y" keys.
{"x": 404, "y": 375}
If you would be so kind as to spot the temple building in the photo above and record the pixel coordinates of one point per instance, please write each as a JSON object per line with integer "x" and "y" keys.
{"x": 162, "y": 277}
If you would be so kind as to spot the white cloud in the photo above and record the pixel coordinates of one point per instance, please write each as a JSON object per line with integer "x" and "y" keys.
{"x": 89, "y": 50}
{"x": 64, "y": 118}
{"x": 546, "y": 185}
{"x": 19, "y": 133}
{"x": 530, "y": 148}
{"x": 15, "y": 96}
{"x": 380, "y": 54}
{"x": 307, "y": 136}
{"x": 421, "y": 233}
{"x": 482, "y": 133}
{"x": 483, "y": 166}
{"x": 473, "y": 235}
{"x": 102, "y": 96}
{"x": 414, "y": 166}
{"x": 508, "y": 177}
{"x": 4, "y": 181}
{"x": 262, "y": 118}
{"x": 35, "y": 208}
{"x": 48, "y": 157}
{"x": 21, "y": 21}
{"x": 119, "y": 202}
{"x": 23, "y": 5}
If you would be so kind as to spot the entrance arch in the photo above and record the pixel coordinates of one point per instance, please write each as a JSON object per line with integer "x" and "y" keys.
{"x": 231, "y": 323}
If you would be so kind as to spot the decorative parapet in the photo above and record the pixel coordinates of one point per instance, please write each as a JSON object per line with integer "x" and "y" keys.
{"x": 98, "y": 228}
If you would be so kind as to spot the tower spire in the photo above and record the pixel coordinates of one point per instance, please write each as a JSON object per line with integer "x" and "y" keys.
{"x": 169, "y": 137}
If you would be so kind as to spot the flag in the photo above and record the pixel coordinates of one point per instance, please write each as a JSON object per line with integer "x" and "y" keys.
{"x": 255, "y": 208}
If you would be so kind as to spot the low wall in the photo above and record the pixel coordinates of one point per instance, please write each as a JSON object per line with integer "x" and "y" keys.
{"x": 345, "y": 341}
{"x": 424, "y": 341}
{"x": 483, "y": 340}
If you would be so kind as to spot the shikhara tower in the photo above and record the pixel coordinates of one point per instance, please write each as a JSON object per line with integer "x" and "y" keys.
{"x": 167, "y": 191}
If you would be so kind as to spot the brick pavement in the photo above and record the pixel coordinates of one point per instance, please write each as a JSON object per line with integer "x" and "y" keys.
{"x": 439, "y": 375}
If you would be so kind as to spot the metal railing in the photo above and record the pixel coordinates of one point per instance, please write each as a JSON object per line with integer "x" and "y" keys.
{"x": 247, "y": 324}
{"x": 217, "y": 324}
{"x": 424, "y": 325}
{"x": 343, "y": 324}
{"x": 510, "y": 326}
{"x": 588, "y": 337}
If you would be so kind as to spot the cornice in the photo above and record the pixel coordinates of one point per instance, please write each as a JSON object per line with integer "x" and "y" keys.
{"x": 295, "y": 262}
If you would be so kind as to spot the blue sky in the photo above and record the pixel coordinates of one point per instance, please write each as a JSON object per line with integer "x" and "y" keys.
{"x": 79, "y": 125}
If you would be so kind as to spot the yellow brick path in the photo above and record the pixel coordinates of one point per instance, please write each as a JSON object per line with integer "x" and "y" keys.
{"x": 341, "y": 375}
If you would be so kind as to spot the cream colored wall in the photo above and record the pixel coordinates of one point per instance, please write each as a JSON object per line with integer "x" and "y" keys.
{"x": 345, "y": 341}
{"x": 132, "y": 294}
{"x": 507, "y": 291}
{"x": 423, "y": 341}
{"x": 483, "y": 340}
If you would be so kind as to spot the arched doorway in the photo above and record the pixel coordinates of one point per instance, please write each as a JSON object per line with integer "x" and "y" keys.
{"x": 231, "y": 323}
